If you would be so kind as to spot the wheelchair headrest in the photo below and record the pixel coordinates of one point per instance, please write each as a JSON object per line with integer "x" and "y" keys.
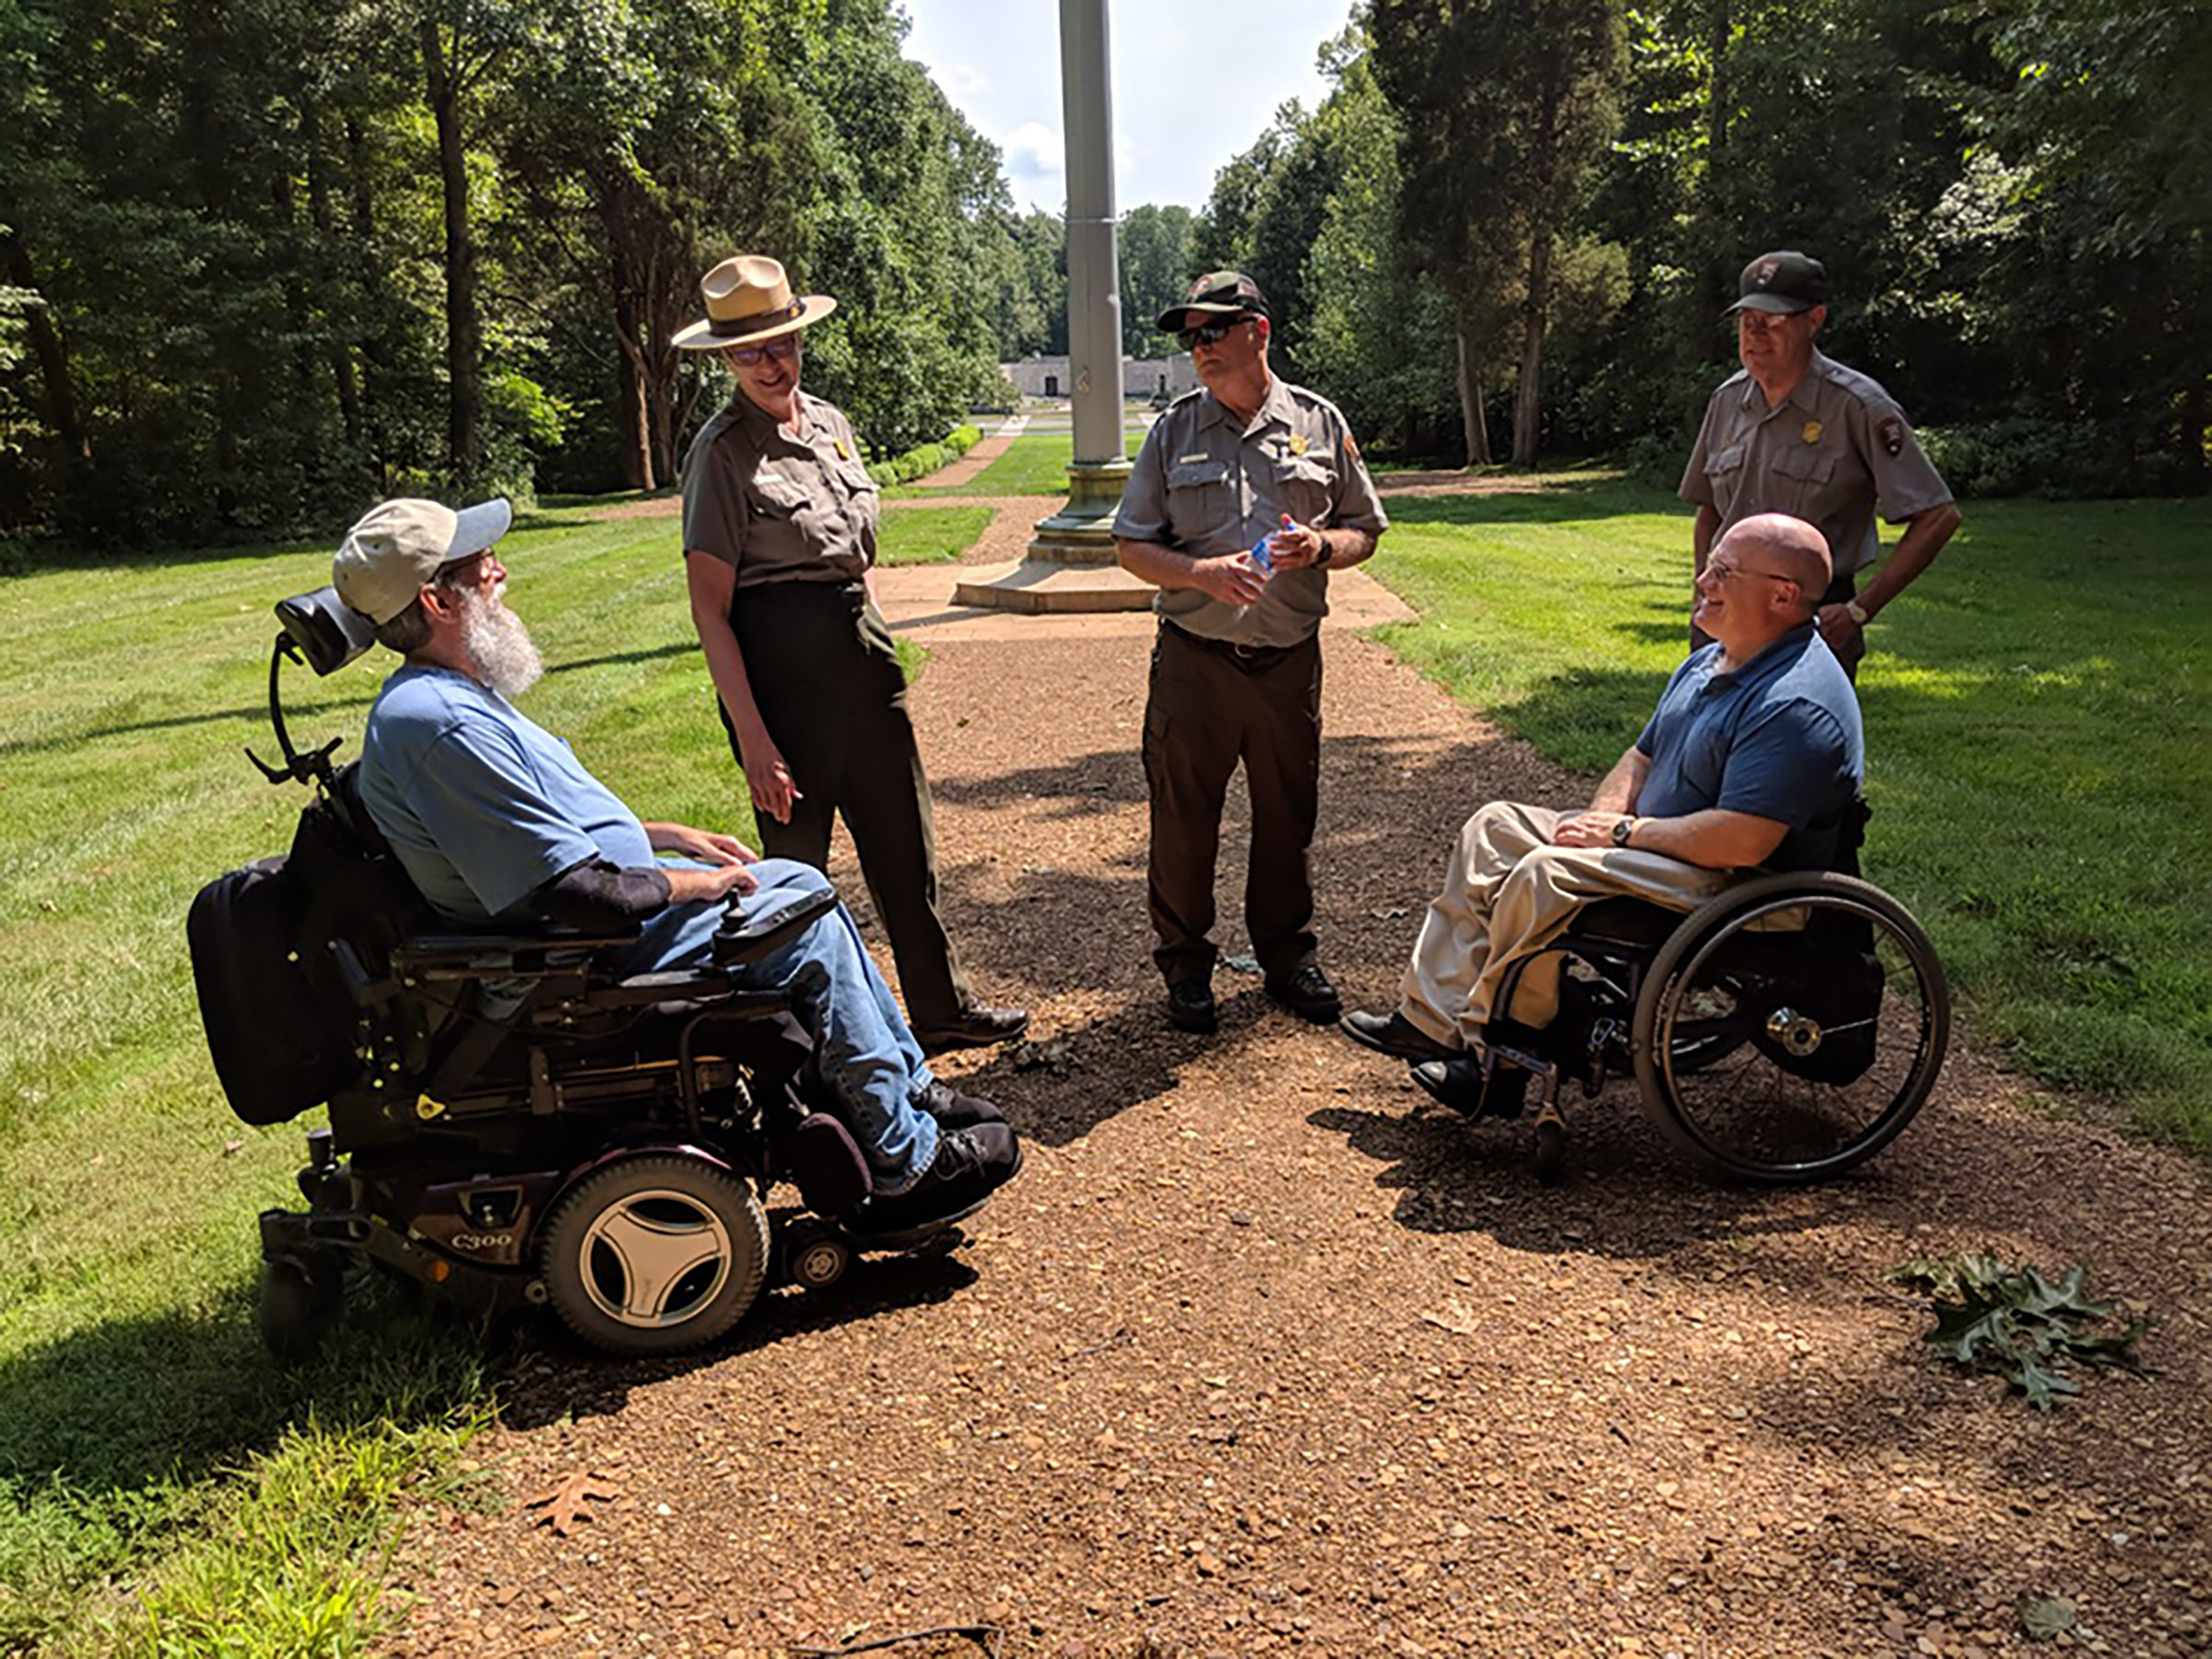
{"x": 329, "y": 632}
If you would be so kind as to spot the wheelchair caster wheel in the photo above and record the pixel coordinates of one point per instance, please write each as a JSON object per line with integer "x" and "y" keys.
{"x": 1551, "y": 1149}
{"x": 815, "y": 1259}
{"x": 299, "y": 1302}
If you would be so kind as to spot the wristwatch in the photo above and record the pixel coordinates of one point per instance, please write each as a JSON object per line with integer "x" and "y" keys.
{"x": 1622, "y": 830}
{"x": 1857, "y": 612}
{"x": 1321, "y": 559}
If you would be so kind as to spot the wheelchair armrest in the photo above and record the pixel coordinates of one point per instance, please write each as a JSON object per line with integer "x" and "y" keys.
{"x": 480, "y": 956}
{"x": 749, "y": 935}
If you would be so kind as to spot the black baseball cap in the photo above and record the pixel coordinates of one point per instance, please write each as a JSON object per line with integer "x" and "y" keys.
{"x": 1784, "y": 282}
{"x": 1221, "y": 293}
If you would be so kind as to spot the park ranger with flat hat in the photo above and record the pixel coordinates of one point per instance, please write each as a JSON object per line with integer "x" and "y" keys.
{"x": 1797, "y": 432}
{"x": 1236, "y": 670}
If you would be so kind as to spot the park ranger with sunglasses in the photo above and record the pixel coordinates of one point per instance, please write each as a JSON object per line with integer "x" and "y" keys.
{"x": 780, "y": 557}
{"x": 1236, "y": 670}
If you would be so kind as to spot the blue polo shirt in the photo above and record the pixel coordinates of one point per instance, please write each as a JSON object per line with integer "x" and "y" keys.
{"x": 1779, "y": 738}
{"x": 483, "y": 806}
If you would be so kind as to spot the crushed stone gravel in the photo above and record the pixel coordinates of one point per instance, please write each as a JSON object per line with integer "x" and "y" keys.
{"x": 1264, "y": 1355}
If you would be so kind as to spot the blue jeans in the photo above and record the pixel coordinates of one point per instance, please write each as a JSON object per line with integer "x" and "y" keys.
{"x": 863, "y": 1047}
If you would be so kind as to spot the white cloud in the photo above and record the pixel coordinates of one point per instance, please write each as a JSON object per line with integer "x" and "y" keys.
{"x": 1034, "y": 150}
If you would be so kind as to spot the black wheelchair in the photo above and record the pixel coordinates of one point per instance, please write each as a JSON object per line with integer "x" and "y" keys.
{"x": 509, "y": 1123}
{"x": 1783, "y": 1033}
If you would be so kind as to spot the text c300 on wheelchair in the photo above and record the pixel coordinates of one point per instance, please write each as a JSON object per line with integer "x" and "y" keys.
{"x": 509, "y": 1123}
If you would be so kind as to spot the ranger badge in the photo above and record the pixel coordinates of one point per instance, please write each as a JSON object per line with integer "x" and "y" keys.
{"x": 1813, "y": 429}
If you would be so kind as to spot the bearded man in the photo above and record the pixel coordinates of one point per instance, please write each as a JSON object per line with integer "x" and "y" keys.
{"x": 498, "y": 824}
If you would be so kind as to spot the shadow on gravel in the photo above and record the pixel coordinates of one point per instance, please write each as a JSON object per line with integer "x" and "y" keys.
{"x": 1625, "y": 1195}
{"x": 563, "y": 1379}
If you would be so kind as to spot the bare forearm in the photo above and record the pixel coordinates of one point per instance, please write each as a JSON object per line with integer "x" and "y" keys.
{"x": 1618, "y": 788}
{"x": 1925, "y": 536}
{"x": 1710, "y": 839}
{"x": 1348, "y": 547}
{"x": 1161, "y": 566}
{"x": 1701, "y": 534}
{"x": 726, "y": 667}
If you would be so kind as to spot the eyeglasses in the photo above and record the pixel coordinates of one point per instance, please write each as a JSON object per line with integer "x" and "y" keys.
{"x": 467, "y": 572}
{"x": 782, "y": 346}
{"x": 1723, "y": 574}
{"x": 1766, "y": 323}
{"x": 1190, "y": 339}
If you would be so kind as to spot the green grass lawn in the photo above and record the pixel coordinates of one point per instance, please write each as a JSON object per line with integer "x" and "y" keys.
{"x": 1035, "y": 463}
{"x": 147, "y": 1444}
{"x": 928, "y": 535}
{"x": 2039, "y": 719}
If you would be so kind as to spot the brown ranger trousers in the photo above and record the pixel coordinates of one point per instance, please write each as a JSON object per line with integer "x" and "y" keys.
{"x": 1211, "y": 706}
{"x": 826, "y": 676}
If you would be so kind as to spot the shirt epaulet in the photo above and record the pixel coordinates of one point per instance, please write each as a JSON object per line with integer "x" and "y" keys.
{"x": 1853, "y": 383}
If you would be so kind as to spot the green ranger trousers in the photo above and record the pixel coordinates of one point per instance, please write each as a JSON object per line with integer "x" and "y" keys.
{"x": 826, "y": 676}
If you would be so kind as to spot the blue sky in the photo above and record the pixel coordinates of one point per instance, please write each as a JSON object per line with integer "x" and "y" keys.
{"x": 1191, "y": 87}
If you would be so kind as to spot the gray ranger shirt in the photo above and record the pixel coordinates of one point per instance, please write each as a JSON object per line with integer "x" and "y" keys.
{"x": 1836, "y": 448}
{"x": 780, "y": 508}
{"x": 1206, "y": 488}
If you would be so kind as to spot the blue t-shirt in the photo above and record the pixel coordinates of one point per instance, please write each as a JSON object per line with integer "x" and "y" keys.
{"x": 1779, "y": 738}
{"x": 484, "y": 806}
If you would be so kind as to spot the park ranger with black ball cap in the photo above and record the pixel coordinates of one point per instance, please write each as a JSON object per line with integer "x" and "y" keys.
{"x": 1794, "y": 432}
{"x": 1236, "y": 671}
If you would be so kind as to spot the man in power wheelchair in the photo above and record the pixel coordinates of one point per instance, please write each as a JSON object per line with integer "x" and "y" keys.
{"x": 584, "y": 1097}
{"x": 1793, "y": 1023}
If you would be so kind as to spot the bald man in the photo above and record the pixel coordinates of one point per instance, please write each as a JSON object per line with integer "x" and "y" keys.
{"x": 1749, "y": 763}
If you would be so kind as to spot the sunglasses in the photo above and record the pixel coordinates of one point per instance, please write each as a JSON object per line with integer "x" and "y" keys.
{"x": 782, "y": 346}
{"x": 1723, "y": 574}
{"x": 1190, "y": 339}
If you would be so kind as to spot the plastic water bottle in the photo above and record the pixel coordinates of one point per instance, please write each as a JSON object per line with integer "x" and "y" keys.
{"x": 1260, "y": 556}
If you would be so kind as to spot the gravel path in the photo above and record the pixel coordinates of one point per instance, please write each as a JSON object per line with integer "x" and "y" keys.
{"x": 1263, "y": 1355}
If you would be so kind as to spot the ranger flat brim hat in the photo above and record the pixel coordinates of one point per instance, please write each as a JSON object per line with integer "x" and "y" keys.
{"x": 1219, "y": 294}
{"x": 749, "y": 299}
{"x": 400, "y": 545}
{"x": 1785, "y": 282}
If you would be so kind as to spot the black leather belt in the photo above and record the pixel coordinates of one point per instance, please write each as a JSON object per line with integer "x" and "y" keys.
{"x": 1245, "y": 656}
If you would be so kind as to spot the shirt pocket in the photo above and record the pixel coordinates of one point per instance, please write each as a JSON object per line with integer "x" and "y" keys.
{"x": 1201, "y": 498}
{"x": 1307, "y": 488}
{"x": 773, "y": 496}
{"x": 1809, "y": 463}
{"x": 1724, "y": 467}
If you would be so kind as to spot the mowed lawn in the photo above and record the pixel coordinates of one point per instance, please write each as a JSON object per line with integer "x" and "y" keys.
{"x": 1035, "y": 463}
{"x": 2039, "y": 719}
{"x": 2042, "y": 798}
{"x": 146, "y": 1440}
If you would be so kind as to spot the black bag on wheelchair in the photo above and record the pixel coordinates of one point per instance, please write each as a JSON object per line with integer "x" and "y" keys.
{"x": 1838, "y": 988}
{"x": 282, "y": 1026}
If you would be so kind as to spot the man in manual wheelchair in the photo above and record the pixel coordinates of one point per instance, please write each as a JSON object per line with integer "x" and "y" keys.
{"x": 1792, "y": 1026}
{"x": 586, "y": 1096}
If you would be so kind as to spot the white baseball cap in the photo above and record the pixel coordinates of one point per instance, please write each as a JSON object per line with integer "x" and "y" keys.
{"x": 400, "y": 545}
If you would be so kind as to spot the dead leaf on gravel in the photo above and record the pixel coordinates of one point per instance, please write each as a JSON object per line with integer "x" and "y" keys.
{"x": 1054, "y": 1056}
{"x": 1241, "y": 964}
{"x": 569, "y": 1503}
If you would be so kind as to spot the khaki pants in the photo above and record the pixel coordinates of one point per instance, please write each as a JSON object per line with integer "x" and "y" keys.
{"x": 1507, "y": 893}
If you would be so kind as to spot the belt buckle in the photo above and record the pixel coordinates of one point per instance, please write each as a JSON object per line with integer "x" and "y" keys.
{"x": 1249, "y": 654}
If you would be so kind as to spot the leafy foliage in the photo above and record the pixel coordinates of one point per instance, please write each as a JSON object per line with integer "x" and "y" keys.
{"x": 2020, "y": 1325}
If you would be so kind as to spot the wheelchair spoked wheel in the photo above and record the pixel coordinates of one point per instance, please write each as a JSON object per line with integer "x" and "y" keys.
{"x": 1791, "y": 1028}
{"x": 655, "y": 1254}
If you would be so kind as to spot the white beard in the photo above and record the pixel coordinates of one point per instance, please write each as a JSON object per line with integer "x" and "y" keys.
{"x": 500, "y": 650}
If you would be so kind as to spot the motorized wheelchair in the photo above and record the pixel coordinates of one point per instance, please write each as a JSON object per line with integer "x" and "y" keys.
{"x": 1783, "y": 1033}
{"x": 509, "y": 1122}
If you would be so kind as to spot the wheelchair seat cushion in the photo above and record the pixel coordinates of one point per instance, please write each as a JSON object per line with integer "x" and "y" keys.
{"x": 1626, "y": 922}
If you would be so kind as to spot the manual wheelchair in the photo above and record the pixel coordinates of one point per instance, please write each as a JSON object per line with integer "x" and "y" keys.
{"x": 508, "y": 1122}
{"x": 1783, "y": 1033}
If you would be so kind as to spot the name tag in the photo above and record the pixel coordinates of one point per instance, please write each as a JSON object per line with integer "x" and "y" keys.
{"x": 1187, "y": 460}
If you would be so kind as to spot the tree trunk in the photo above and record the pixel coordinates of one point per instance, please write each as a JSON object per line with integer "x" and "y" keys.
{"x": 464, "y": 338}
{"x": 1472, "y": 421}
{"x": 337, "y": 354}
{"x": 62, "y": 408}
{"x": 1718, "y": 231}
{"x": 375, "y": 358}
{"x": 1528, "y": 392}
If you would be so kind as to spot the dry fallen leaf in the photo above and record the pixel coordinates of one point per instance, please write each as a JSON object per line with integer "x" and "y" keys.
{"x": 569, "y": 1503}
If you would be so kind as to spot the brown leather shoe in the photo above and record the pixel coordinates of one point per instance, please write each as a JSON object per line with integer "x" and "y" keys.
{"x": 1392, "y": 1034}
{"x": 977, "y": 1027}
